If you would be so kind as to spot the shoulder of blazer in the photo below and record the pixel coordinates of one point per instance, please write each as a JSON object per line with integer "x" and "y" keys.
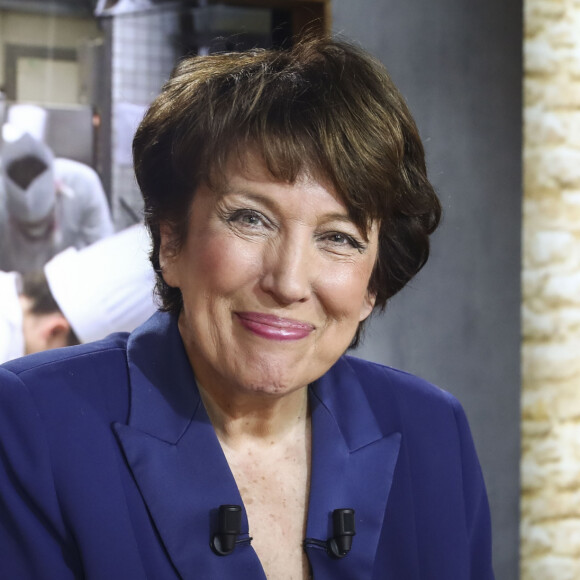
{"x": 93, "y": 374}
{"x": 67, "y": 355}
{"x": 410, "y": 401}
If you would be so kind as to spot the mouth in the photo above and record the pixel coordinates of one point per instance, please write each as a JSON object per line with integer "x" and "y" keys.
{"x": 274, "y": 327}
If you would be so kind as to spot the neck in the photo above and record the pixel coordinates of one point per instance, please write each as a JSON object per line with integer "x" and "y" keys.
{"x": 260, "y": 419}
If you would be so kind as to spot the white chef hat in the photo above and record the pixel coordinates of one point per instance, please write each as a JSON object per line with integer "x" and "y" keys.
{"x": 28, "y": 118}
{"x": 105, "y": 287}
{"x": 36, "y": 200}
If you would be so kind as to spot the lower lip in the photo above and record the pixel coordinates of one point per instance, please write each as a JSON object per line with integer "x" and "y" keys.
{"x": 274, "y": 328}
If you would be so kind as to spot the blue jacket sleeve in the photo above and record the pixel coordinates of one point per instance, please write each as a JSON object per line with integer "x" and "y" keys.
{"x": 477, "y": 515}
{"x": 33, "y": 537}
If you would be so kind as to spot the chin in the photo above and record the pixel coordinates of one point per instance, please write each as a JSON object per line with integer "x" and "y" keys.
{"x": 271, "y": 385}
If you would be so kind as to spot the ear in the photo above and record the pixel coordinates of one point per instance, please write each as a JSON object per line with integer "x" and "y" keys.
{"x": 367, "y": 305}
{"x": 55, "y": 331}
{"x": 43, "y": 331}
{"x": 168, "y": 256}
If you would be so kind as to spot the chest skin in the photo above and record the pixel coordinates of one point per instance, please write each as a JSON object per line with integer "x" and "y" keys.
{"x": 274, "y": 483}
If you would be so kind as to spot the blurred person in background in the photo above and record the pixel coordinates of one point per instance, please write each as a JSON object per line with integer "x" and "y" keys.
{"x": 47, "y": 204}
{"x": 79, "y": 296}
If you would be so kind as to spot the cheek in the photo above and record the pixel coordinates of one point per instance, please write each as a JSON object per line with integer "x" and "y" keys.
{"x": 224, "y": 265}
{"x": 345, "y": 291}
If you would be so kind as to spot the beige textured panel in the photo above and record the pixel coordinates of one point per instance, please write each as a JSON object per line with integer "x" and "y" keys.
{"x": 550, "y": 528}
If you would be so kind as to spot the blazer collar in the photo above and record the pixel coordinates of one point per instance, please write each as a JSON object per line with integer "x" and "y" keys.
{"x": 164, "y": 396}
{"x": 183, "y": 475}
{"x": 176, "y": 458}
{"x": 353, "y": 463}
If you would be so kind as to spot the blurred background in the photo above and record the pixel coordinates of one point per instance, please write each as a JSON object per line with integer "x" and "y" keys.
{"x": 495, "y": 89}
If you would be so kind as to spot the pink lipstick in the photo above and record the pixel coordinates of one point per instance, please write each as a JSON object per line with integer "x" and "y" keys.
{"x": 274, "y": 327}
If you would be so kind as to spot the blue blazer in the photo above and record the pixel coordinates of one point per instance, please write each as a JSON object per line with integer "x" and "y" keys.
{"x": 110, "y": 469}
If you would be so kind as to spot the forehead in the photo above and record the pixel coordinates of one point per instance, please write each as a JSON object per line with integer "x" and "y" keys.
{"x": 251, "y": 168}
{"x": 248, "y": 162}
{"x": 250, "y": 177}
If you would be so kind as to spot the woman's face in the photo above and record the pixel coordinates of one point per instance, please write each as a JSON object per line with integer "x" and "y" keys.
{"x": 274, "y": 281}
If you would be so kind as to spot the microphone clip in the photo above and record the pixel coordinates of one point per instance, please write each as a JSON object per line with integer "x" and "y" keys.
{"x": 229, "y": 528}
{"x": 343, "y": 529}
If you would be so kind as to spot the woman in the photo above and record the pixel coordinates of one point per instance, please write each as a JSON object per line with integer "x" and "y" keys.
{"x": 229, "y": 437}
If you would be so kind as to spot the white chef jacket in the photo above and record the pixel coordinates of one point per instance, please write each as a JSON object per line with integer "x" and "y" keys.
{"x": 81, "y": 217}
{"x": 11, "y": 337}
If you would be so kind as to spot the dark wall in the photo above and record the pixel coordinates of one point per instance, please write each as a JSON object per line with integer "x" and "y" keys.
{"x": 459, "y": 66}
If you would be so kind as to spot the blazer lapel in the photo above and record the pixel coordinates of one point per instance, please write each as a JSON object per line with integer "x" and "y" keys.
{"x": 353, "y": 463}
{"x": 175, "y": 457}
{"x": 183, "y": 476}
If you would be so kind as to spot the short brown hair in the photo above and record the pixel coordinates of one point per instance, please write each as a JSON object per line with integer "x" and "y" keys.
{"x": 325, "y": 107}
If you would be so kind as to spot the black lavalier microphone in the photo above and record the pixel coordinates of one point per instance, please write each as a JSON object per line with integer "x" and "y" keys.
{"x": 343, "y": 531}
{"x": 229, "y": 527}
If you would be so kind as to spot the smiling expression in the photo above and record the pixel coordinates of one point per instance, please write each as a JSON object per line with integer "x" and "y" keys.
{"x": 274, "y": 281}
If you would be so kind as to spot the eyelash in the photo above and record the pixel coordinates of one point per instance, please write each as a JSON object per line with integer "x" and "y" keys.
{"x": 350, "y": 240}
{"x": 238, "y": 216}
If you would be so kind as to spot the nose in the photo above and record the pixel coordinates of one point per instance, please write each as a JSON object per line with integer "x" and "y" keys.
{"x": 288, "y": 271}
